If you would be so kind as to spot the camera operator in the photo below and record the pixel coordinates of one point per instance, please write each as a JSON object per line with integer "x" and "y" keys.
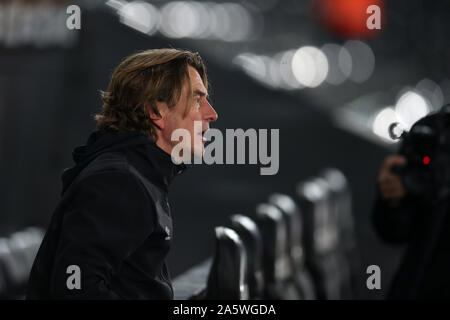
{"x": 411, "y": 209}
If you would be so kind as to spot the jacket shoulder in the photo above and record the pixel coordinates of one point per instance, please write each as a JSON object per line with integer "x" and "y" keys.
{"x": 117, "y": 162}
{"x": 107, "y": 161}
{"x": 112, "y": 162}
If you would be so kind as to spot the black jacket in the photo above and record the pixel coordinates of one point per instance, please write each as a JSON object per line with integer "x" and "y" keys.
{"x": 425, "y": 229}
{"x": 113, "y": 221}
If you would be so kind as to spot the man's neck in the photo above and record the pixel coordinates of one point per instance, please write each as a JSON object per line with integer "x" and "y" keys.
{"x": 164, "y": 147}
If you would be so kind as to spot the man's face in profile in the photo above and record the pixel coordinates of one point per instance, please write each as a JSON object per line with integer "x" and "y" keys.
{"x": 200, "y": 110}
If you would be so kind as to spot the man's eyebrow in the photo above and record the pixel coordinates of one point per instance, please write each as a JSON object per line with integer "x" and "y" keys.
{"x": 200, "y": 93}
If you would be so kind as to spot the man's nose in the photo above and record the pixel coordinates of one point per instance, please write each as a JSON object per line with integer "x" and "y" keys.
{"x": 211, "y": 114}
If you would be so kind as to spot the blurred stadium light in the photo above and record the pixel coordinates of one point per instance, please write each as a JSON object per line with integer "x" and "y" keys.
{"x": 382, "y": 121}
{"x": 310, "y": 66}
{"x": 292, "y": 69}
{"x": 410, "y": 107}
{"x": 340, "y": 63}
{"x": 141, "y": 16}
{"x": 432, "y": 92}
{"x": 187, "y": 19}
{"x": 321, "y": 45}
{"x": 40, "y": 24}
{"x": 284, "y": 60}
{"x": 363, "y": 60}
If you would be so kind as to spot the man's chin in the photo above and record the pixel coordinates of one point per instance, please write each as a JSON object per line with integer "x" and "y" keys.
{"x": 197, "y": 154}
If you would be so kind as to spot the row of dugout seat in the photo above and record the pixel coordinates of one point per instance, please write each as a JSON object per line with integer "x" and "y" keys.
{"x": 17, "y": 253}
{"x": 293, "y": 247}
{"x": 299, "y": 247}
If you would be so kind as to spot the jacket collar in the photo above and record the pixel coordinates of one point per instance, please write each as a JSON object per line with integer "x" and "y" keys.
{"x": 164, "y": 169}
{"x": 152, "y": 161}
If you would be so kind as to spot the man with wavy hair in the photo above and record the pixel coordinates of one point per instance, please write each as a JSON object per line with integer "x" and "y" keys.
{"x": 110, "y": 233}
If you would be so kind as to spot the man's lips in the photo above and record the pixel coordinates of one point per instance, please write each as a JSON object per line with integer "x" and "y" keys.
{"x": 203, "y": 135}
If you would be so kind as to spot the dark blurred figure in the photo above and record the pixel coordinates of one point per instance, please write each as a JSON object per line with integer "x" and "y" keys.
{"x": 412, "y": 209}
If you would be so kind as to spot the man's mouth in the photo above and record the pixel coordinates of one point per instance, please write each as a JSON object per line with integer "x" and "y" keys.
{"x": 203, "y": 135}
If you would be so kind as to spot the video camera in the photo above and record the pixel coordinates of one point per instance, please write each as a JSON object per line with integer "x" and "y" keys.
{"x": 426, "y": 148}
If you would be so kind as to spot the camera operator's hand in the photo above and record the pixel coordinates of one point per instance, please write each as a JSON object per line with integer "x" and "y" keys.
{"x": 389, "y": 183}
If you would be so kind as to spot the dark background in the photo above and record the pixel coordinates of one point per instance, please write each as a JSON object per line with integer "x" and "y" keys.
{"x": 48, "y": 97}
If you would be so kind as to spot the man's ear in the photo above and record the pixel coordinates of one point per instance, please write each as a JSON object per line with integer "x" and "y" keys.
{"x": 158, "y": 119}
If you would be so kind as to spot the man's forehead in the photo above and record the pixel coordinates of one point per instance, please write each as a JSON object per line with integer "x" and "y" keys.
{"x": 196, "y": 80}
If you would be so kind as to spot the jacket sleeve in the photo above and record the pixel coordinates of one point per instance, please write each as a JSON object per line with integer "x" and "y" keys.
{"x": 107, "y": 217}
{"x": 395, "y": 222}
